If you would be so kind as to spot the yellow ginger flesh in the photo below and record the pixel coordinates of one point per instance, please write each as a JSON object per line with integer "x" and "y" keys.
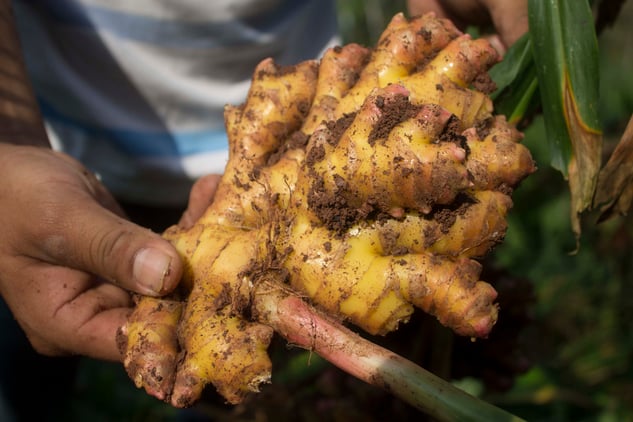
{"x": 368, "y": 182}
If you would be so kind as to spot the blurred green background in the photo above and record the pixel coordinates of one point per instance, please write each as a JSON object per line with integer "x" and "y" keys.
{"x": 580, "y": 341}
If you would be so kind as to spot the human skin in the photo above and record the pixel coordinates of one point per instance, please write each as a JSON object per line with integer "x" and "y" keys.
{"x": 69, "y": 259}
{"x": 509, "y": 17}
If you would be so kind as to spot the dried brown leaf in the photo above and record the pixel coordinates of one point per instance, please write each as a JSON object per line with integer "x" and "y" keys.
{"x": 584, "y": 165}
{"x": 614, "y": 192}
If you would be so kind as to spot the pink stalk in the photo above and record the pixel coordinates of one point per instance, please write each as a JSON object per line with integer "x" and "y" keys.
{"x": 302, "y": 325}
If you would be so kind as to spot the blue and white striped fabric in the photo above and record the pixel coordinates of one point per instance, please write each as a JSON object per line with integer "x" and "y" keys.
{"x": 135, "y": 89}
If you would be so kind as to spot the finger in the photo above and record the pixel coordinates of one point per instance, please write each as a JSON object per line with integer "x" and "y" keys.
{"x": 461, "y": 12}
{"x": 441, "y": 9}
{"x": 65, "y": 311}
{"x": 419, "y": 7}
{"x": 96, "y": 339}
{"x": 94, "y": 317}
{"x": 200, "y": 197}
{"x": 510, "y": 18}
{"x": 88, "y": 237}
{"x": 497, "y": 44}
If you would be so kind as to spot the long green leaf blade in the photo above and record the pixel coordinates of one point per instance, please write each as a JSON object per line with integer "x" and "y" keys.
{"x": 515, "y": 61}
{"x": 515, "y": 77}
{"x": 580, "y": 49}
{"x": 566, "y": 56}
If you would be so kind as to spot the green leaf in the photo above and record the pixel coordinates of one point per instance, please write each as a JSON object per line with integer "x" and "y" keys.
{"x": 514, "y": 62}
{"x": 515, "y": 77}
{"x": 565, "y": 52}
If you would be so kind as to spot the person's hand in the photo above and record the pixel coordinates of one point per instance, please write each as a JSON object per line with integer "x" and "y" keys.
{"x": 509, "y": 17}
{"x": 68, "y": 259}
{"x": 200, "y": 197}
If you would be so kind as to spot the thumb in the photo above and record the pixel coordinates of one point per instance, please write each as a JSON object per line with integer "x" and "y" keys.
{"x": 91, "y": 238}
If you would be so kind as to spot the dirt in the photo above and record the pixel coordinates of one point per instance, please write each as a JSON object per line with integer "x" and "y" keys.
{"x": 446, "y": 216}
{"x": 337, "y": 210}
{"x": 393, "y": 113}
{"x": 453, "y": 132}
{"x": 334, "y": 211}
{"x": 279, "y": 70}
{"x": 338, "y": 127}
{"x": 484, "y": 83}
{"x": 296, "y": 140}
{"x": 427, "y": 35}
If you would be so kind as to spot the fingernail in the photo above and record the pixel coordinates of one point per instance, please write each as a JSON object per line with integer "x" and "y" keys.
{"x": 151, "y": 267}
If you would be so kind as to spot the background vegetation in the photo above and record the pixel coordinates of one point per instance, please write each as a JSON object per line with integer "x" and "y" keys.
{"x": 580, "y": 338}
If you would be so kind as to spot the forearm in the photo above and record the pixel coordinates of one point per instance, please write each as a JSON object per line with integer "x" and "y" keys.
{"x": 20, "y": 118}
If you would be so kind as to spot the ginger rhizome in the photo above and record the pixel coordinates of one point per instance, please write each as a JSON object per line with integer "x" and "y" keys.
{"x": 366, "y": 183}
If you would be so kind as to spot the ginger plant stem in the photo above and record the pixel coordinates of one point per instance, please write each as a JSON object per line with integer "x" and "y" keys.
{"x": 304, "y": 326}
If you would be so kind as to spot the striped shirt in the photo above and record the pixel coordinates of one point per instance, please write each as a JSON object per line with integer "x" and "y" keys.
{"x": 135, "y": 89}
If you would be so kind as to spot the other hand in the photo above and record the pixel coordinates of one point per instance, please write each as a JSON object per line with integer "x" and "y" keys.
{"x": 509, "y": 17}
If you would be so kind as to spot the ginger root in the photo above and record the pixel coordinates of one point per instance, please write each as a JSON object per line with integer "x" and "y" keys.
{"x": 367, "y": 182}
